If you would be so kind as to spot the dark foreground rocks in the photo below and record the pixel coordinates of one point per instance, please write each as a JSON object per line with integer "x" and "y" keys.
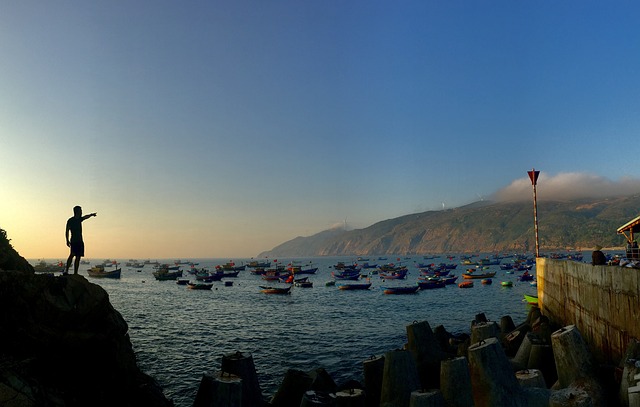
{"x": 63, "y": 344}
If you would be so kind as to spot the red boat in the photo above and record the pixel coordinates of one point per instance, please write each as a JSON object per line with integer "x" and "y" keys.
{"x": 412, "y": 289}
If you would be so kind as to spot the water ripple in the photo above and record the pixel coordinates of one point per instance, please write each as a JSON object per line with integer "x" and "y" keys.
{"x": 179, "y": 334}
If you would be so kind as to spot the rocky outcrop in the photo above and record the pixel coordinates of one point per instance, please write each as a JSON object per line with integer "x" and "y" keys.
{"x": 9, "y": 258}
{"x": 63, "y": 344}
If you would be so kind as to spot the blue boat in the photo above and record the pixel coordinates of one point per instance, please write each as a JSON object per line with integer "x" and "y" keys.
{"x": 431, "y": 284}
{"x": 346, "y": 275}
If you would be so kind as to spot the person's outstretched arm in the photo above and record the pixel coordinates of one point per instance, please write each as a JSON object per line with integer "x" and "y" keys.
{"x": 89, "y": 215}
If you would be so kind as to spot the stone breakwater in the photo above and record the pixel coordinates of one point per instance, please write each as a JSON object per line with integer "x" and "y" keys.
{"x": 63, "y": 344}
{"x": 498, "y": 364}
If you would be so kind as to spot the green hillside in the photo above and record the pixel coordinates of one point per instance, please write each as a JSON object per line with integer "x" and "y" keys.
{"x": 479, "y": 227}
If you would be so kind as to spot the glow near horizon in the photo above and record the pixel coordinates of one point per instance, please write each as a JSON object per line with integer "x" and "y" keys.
{"x": 223, "y": 129}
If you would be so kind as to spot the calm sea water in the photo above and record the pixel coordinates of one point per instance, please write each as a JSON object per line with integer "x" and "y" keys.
{"x": 178, "y": 334}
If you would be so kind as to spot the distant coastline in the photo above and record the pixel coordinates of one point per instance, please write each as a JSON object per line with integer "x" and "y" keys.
{"x": 485, "y": 227}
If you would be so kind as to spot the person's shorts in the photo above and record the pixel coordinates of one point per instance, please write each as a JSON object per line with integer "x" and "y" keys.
{"x": 77, "y": 249}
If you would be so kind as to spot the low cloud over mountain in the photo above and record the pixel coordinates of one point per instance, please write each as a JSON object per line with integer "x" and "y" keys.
{"x": 567, "y": 186}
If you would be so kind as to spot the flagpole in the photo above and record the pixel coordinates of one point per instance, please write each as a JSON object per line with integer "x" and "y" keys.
{"x": 533, "y": 175}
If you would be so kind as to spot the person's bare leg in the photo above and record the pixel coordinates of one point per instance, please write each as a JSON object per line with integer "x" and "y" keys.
{"x": 66, "y": 269}
{"x": 76, "y": 265}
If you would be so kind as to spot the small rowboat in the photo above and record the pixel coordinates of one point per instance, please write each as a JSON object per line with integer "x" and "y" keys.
{"x": 363, "y": 286}
{"x": 507, "y": 283}
{"x": 486, "y": 281}
{"x": 466, "y": 284}
{"x": 200, "y": 286}
{"x": 412, "y": 289}
{"x": 275, "y": 290}
{"x": 531, "y": 299}
{"x": 478, "y": 275}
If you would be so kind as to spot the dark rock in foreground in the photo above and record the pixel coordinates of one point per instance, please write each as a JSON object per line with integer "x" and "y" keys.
{"x": 10, "y": 259}
{"x": 63, "y": 344}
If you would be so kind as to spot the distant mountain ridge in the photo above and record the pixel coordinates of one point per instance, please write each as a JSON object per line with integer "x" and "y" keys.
{"x": 483, "y": 226}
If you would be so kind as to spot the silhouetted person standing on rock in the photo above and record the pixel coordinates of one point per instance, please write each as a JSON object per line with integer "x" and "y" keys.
{"x": 74, "y": 225}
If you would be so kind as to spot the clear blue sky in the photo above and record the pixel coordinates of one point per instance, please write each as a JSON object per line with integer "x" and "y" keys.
{"x": 223, "y": 128}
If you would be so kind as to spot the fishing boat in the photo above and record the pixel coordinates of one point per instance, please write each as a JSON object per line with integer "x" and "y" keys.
{"x": 507, "y": 283}
{"x": 99, "y": 272}
{"x": 297, "y": 269}
{"x": 531, "y": 299}
{"x": 311, "y": 270}
{"x": 258, "y": 264}
{"x": 343, "y": 266}
{"x": 303, "y": 282}
{"x": 207, "y": 277}
{"x": 44, "y": 267}
{"x": 390, "y": 271}
{"x": 412, "y": 289}
{"x": 369, "y": 266}
{"x": 431, "y": 284}
{"x": 275, "y": 290}
{"x": 479, "y": 275}
{"x": 258, "y": 271}
{"x": 354, "y": 286}
{"x": 231, "y": 266}
{"x": 486, "y": 281}
{"x": 182, "y": 281}
{"x": 165, "y": 266}
{"x": 392, "y": 268}
{"x": 200, "y": 286}
{"x": 449, "y": 279}
{"x": 438, "y": 273}
{"x": 525, "y": 277}
{"x": 488, "y": 262}
{"x": 273, "y": 276}
{"x": 466, "y": 284}
{"x": 393, "y": 276}
{"x": 346, "y": 275}
{"x": 163, "y": 274}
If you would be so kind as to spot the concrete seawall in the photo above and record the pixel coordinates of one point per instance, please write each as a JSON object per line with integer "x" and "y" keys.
{"x": 603, "y": 302}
